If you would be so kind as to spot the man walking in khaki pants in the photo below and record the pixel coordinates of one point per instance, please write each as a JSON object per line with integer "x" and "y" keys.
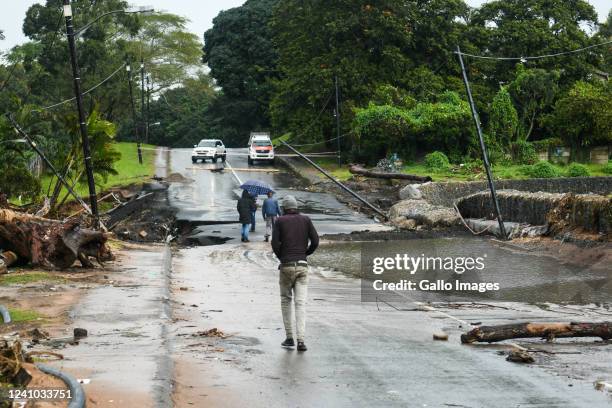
{"x": 290, "y": 242}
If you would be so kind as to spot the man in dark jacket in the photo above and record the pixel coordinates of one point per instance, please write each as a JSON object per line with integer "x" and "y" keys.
{"x": 293, "y": 238}
{"x": 246, "y": 205}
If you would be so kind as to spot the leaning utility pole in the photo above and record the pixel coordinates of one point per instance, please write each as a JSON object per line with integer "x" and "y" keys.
{"x": 483, "y": 147}
{"x": 40, "y": 153}
{"x": 76, "y": 74}
{"x": 338, "y": 121}
{"x": 128, "y": 68}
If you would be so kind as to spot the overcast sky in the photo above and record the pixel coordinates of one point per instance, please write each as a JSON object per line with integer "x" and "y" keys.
{"x": 200, "y": 14}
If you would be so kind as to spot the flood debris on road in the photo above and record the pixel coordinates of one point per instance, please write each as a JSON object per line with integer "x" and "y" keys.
{"x": 548, "y": 331}
{"x": 12, "y": 358}
{"x": 520, "y": 356}
{"x": 214, "y": 332}
{"x": 146, "y": 216}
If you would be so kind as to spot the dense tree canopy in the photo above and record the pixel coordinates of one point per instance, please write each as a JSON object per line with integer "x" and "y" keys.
{"x": 241, "y": 57}
{"x": 181, "y": 114}
{"x": 518, "y": 28}
{"x": 583, "y": 117}
{"x": 364, "y": 44}
{"x": 37, "y": 78}
{"x": 274, "y": 63}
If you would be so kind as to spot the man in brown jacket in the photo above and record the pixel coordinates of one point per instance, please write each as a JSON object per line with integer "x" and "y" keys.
{"x": 294, "y": 238}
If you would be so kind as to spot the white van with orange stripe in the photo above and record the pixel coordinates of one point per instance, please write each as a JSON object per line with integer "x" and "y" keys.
{"x": 260, "y": 147}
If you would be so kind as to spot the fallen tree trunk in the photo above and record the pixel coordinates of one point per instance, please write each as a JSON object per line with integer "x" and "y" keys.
{"x": 549, "y": 331}
{"x": 50, "y": 243}
{"x": 356, "y": 169}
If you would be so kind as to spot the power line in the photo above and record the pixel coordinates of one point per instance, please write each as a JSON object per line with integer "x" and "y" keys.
{"x": 534, "y": 57}
{"x": 321, "y": 142}
{"x": 84, "y": 93}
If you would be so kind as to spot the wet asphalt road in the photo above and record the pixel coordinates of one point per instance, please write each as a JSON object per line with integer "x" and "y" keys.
{"x": 146, "y": 346}
{"x": 361, "y": 354}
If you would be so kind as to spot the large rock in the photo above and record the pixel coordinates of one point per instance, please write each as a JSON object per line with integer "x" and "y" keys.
{"x": 423, "y": 213}
{"x": 411, "y": 192}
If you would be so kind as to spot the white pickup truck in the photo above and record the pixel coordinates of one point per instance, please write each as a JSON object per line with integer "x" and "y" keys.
{"x": 260, "y": 147}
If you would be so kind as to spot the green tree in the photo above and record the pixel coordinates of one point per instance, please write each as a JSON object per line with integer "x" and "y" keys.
{"x": 363, "y": 43}
{"x": 533, "y": 91}
{"x": 605, "y": 34}
{"x": 583, "y": 117}
{"x": 442, "y": 125}
{"x": 503, "y": 119}
{"x": 242, "y": 59}
{"x": 518, "y": 28}
{"x": 181, "y": 114}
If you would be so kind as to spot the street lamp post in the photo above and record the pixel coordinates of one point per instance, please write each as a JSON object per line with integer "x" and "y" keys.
{"x": 76, "y": 75}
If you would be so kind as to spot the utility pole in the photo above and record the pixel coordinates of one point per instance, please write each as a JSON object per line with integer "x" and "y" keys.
{"x": 148, "y": 103}
{"x": 338, "y": 122}
{"x": 76, "y": 74}
{"x": 142, "y": 109}
{"x": 128, "y": 68}
{"x": 483, "y": 147}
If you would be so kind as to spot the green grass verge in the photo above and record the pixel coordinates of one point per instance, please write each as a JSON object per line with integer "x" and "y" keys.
{"x": 29, "y": 277}
{"x": 331, "y": 165}
{"x": 128, "y": 169}
{"x": 19, "y": 315}
{"x": 516, "y": 172}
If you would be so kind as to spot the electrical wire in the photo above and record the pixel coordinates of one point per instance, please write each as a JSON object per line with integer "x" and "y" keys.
{"x": 321, "y": 142}
{"x": 84, "y": 93}
{"x": 535, "y": 57}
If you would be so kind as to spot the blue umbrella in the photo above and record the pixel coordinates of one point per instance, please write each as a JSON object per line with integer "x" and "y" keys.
{"x": 256, "y": 187}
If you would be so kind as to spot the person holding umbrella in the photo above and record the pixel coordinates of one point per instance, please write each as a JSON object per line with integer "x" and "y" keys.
{"x": 246, "y": 205}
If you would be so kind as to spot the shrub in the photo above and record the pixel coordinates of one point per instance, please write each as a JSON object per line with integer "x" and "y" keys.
{"x": 542, "y": 169}
{"x": 437, "y": 161}
{"x": 577, "y": 170}
{"x": 608, "y": 168}
{"x": 473, "y": 167}
{"x": 524, "y": 153}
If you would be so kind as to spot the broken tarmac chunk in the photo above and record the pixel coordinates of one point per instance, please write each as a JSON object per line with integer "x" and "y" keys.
{"x": 441, "y": 336}
{"x": 520, "y": 356}
{"x": 79, "y": 333}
